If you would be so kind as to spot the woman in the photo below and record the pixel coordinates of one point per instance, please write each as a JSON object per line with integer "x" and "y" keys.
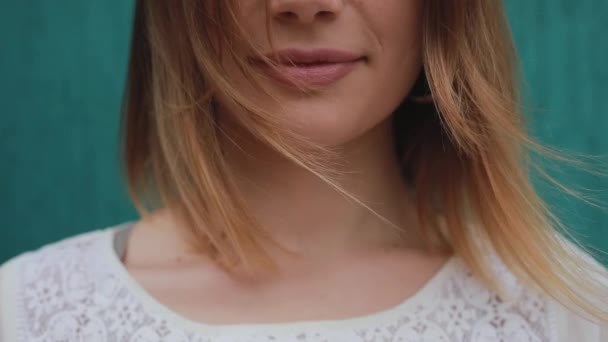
{"x": 317, "y": 170}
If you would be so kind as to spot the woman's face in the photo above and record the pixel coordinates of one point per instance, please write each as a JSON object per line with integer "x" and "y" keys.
{"x": 363, "y": 55}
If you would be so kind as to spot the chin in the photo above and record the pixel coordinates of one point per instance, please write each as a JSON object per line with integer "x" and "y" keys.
{"x": 333, "y": 126}
{"x": 333, "y": 134}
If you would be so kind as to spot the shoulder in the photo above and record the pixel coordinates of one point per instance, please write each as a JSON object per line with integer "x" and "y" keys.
{"x": 470, "y": 310}
{"x": 56, "y": 253}
{"x": 519, "y": 312}
{"x": 37, "y": 284}
{"x": 572, "y": 326}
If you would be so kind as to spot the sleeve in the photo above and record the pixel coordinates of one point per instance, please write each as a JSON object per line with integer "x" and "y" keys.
{"x": 572, "y": 327}
{"x": 8, "y": 300}
{"x": 578, "y": 326}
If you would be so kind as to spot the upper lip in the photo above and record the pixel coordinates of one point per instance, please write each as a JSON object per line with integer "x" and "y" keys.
{"x": 309, "y": 56}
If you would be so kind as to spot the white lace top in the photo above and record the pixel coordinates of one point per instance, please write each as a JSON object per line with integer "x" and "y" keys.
{"x": 78, "y": 290}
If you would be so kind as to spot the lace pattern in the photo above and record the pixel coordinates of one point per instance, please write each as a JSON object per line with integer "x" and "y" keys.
{"x": 69, "y": 292}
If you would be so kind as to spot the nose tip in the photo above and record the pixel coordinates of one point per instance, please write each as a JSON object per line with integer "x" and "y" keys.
{"x": 305, "y": 11}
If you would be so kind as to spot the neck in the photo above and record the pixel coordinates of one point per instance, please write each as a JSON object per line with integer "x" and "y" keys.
{"x": 309, "y": 217}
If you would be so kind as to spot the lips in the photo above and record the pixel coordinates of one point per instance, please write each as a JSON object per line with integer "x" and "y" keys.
{"x": 318, "y": 67}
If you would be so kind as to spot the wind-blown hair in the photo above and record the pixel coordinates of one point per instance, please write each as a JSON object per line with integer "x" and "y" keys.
{"x": 465, "y": 153}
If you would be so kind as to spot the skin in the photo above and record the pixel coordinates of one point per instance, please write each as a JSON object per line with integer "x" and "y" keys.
{"x": 348, "y": 262}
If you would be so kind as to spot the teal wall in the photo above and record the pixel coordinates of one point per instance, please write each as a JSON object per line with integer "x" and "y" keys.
{"x": 62, "y": 68}
{"x": 563, "y": 49}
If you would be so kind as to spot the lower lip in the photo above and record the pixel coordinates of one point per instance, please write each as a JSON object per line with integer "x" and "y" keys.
{"x": 310, "y": 75}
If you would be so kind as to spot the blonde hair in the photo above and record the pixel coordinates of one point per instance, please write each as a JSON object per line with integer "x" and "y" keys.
{"x": 465, "y": 153}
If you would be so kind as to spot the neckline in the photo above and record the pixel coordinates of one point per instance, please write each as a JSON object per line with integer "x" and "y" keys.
{"x": 429, "y": 291}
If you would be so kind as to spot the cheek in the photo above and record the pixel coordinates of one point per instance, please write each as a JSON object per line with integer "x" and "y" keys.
{"x": 251, "y": 15}
{"x": 397, "y": 26}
